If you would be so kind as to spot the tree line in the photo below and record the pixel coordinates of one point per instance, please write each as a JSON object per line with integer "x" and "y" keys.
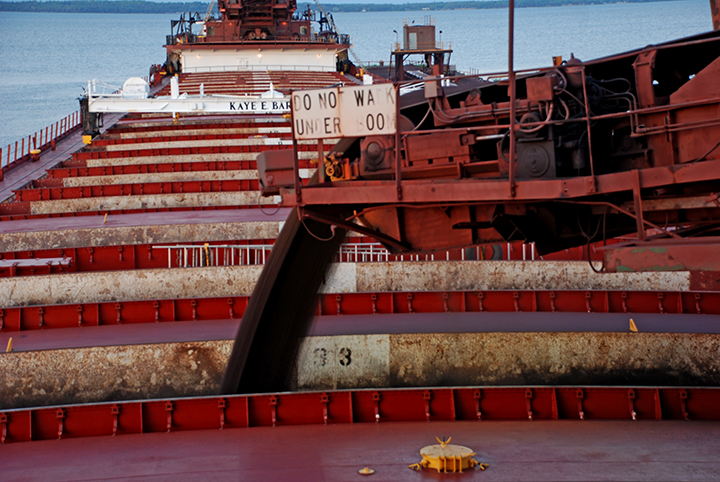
{"x": 91, "y": 6}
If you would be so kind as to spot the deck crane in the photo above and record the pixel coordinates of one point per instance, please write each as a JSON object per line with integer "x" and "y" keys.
{"x": 335, "y": 31}
{"x": 209, "y": 11}
{"x": 565, "y": 156}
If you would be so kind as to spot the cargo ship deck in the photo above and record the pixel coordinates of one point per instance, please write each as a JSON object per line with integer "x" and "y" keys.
{"x": 126, "y": 266}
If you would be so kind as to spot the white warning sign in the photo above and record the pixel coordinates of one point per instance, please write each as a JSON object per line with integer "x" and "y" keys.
{"x": 344, "y": 112}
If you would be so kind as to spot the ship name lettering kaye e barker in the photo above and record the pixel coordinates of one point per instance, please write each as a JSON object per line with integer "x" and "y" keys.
{"x": 265, "y": 105}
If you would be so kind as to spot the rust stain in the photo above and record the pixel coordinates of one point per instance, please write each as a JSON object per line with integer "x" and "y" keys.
{"x": 404, "y": 360}
{"x": 520, "y": 275}
{"x": 151, "y": 201}
{"x": 130, "y": 235}
{"x": 112, "y": 373}
{"x": 128, "y": 285}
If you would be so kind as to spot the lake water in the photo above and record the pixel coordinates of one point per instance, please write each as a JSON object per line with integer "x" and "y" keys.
{"x": 47, "y": 58}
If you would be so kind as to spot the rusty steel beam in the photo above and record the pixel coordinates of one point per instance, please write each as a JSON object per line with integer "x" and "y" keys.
{"x": 697, "y": 254}
{"x": 331, "y": 304}
{"x": 715, "y": 11}
{"x": 360, "y": 406}
{"x": 472, "y": 190}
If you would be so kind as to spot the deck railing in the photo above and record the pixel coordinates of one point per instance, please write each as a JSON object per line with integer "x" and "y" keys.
{"x": 197, "y": 255}
{"x": 194, "y": 255}
{"x": 41, "y": 140}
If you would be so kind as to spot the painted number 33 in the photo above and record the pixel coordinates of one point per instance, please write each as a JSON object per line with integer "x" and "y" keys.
{"x": 344, "y": 356}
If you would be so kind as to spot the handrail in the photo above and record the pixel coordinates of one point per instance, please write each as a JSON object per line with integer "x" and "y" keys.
{"x": 205, "y": 255}
{"x": 41, "y": 140}
{"x": 197, "y": 255}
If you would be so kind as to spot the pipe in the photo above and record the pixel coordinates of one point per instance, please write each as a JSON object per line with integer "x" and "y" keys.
{"x": 511, "y": 82}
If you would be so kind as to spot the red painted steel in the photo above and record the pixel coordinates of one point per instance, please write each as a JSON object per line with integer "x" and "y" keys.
{"x": 198, "y": 309}
{"x": 700, "y": 254}
{"x": 25, "y": 266}
{"x": 473, "y": 190}
{"x": 453, "y": 184}
{"x": 360, "y": 406}
{"x": 186, "y": 138}
{"x": 105, "y": 258}
{"x": 63, "y": 172}
{"x": 21, "y": 210}
{"x": 140, "y": 256}
{"x": 149, "y": 188}
{"x": 144, "y": 256}
{"x": 175, "y": 151}
{"x": 39, "y": 140}
{"x": 127, "y": 125}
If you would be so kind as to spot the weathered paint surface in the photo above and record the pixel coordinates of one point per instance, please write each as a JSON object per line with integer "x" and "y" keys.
{"x": 344, "y": 278}
{"x": 454, "y": 359}
{"x": 520, "y": 275}
{"x": 165, "y": 159}
{"x": 565, "y": 450}
{"x": 128, "y": 285}
{"x": 695, "y": 257}
{"x": 344, "y": 361}
{"x": 111, "y": 373}
{"x": 195, "y": 132}
{"x": 190, "y": 144}
{"x": 152, "y": 201}
{"x": 555, "y": 359}
{"x": 169, "y": 177}
{"x": 406, "y": 360}
{"x": 131, "y": 235}
{"x": 160, "y": 177}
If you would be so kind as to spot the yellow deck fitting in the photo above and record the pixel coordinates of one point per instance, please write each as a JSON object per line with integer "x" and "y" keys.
{"x": 447, "y": 458}
{"x": 9, "y": 347}
{"x": 87, "y": 139}
{"x": 633, "y": 327}
{"x": 366, "y": 471}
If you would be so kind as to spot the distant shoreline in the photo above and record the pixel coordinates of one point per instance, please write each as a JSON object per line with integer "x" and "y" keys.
{"x": 138, "y": 6}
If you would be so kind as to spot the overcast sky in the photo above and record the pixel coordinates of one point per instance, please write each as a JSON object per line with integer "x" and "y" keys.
{"x": 329, "y": 2}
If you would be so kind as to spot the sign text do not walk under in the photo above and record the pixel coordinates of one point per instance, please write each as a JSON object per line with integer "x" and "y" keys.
{"x": 355, "y": 111}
